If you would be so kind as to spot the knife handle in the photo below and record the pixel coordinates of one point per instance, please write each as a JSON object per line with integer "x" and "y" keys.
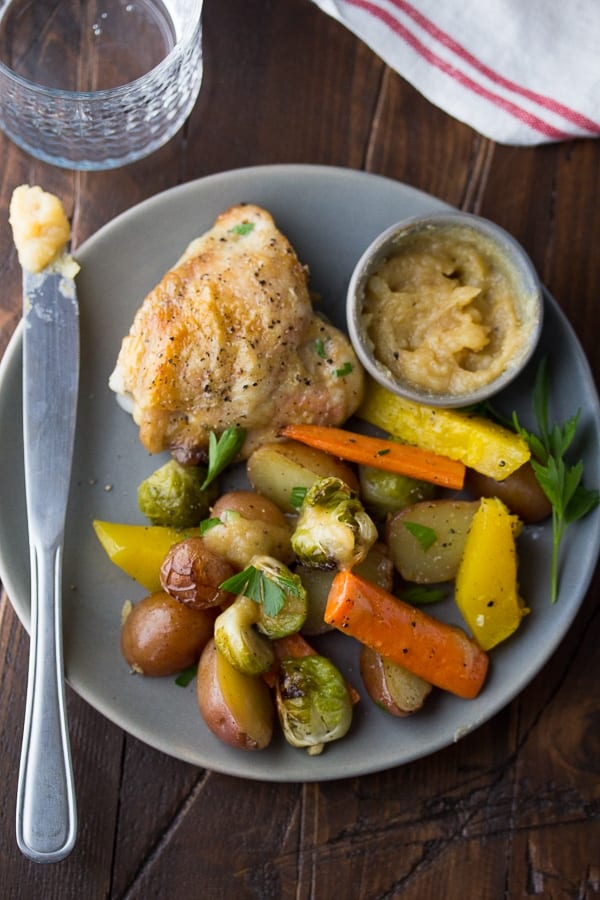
{"x": 46, "y": 818}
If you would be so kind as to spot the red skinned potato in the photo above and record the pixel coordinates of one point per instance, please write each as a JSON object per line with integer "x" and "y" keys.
{"x": 392, "y": 687}
{"x": 192, "y": 573}
{"x": 520, "y": 492}
{"x": 238, "y": 708}
{"x": 161, "y": 636}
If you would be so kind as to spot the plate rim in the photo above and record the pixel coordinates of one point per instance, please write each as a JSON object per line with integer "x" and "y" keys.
{"x": 86, "y": 692}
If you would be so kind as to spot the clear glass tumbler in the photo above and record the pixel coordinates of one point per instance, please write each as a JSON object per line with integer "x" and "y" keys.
{"x": 95, "y": 85}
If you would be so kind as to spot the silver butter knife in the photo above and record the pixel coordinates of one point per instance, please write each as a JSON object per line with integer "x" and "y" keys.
{"x": 46, "y": 820}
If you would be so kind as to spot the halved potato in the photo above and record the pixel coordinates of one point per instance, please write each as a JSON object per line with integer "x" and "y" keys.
{"x": 392, "y": 687}
{"x": 237, "y": 708}
{"x": 446, "y": 522}
{"x": 276, "y": 468}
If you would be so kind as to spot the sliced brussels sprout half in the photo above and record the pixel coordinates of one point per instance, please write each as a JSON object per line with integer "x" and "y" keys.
{"x": 239, "y": 642}
{"x": 271, "y": 598}
{"x": 333, "y": 530}
{"x": 292, "y": 615}
{"x": 313, "y": 702}
{"x": 173, "y": 495}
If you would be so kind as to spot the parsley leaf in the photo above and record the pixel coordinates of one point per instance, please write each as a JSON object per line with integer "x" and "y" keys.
{"x": 419, "y": 594}
{"x": 243, "y": 228}
{"x": 560, "y": 481}
{"x": 425, "y": 535}
{"x": 320, "y": 348}
{"x": 297, "y": 496}
{"x": 207, "y": 524}
{"x": 188, "y": 675}
{"x": 344, "y": 370}
{"x": 257, "y": 585}
{"x": 222, "y": 451}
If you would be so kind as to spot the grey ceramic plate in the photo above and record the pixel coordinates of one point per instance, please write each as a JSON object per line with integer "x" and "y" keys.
{"x": 330, "y": 215}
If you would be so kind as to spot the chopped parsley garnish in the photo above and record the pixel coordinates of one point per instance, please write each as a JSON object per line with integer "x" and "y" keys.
{"x": 222, "y": 451}
{"x": 270, "y": 590}
{"x": 425, "y": 535}
{"x": 243, "y": 228}
{"x": 188, "y": 675}
{"x": 420, "y": 595}
{"x": 345, "y": 370}
{"x": 207, "y": 524}
{"x": 320, "y": 348}
{"x": 297, "y": 496}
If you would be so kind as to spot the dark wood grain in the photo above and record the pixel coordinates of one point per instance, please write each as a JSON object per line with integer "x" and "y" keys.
{"x": 514, "y": 809}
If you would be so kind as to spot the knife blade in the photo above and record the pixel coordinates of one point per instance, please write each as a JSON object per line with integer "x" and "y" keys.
{"x": 46, "y": 820}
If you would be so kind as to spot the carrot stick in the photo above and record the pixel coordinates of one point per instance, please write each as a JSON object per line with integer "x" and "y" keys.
{"x": 294, "y": 645}
{"x": 441, "y": 654}
{"x": 404, "y": 459}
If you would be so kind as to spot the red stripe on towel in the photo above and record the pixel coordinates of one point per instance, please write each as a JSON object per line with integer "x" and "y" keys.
{"x": 534, "y": 122}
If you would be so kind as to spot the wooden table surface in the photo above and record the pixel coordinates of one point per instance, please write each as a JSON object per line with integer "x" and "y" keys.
{"x": 511, "y": 811}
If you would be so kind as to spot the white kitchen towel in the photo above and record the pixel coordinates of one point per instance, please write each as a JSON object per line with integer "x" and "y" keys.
{"x": 521, "y": 72}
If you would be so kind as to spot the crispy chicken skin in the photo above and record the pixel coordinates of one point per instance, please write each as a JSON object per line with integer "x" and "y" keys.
{"x": 229, "y": 337}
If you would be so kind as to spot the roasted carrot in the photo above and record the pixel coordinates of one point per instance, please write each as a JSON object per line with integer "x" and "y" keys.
{"x": 441, "y": 654}
{"x": 294, "y": 645}
{"x": 404, "y": 459}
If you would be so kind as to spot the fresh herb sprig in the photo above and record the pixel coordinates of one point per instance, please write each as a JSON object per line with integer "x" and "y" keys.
{"x": 222, "y": 451}
{"x": 560, "y": 481}
{"x": 269, "y": 589}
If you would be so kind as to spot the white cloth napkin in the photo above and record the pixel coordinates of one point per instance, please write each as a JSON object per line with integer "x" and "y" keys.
{"x": 518, "y": 71}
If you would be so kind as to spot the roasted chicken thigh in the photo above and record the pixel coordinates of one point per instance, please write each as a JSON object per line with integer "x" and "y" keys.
{"x": 230, "y": 337}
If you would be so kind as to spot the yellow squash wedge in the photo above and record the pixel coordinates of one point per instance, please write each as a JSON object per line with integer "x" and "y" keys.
{"x": 139, "y": 549}
{"x": 486, "y": 589}
{"x": 477, "y": 442}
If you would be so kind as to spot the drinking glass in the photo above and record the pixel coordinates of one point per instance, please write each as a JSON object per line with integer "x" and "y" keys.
{"x": 95, "y": 85}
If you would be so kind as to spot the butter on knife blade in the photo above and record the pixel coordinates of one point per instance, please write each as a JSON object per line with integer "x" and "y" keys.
{"x": 46, "y": 816}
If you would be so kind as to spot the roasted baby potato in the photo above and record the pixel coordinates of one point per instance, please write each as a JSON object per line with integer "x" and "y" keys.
{"x": 520, "y": 492}
{"x": 275, "y": 469}
{"x": 426, "y": 540}
{"x": 392, "y": 687}
{"x": 248, "y": 525}
{"x": 161, "y": 636}
{"x": 237, "y": 708}
{"x": 192, "y": 573}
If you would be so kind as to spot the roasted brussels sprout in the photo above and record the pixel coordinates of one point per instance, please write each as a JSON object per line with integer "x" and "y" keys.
{"x": 293, "y": 603}
{"x": 271, "y": 598}
{"x": 313, "y": 702}
{"x": 333, "y": 529}
{"x": 386, "y": 492}
{"x": 239, "y": 642}
{"x": 173, "y": 495}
